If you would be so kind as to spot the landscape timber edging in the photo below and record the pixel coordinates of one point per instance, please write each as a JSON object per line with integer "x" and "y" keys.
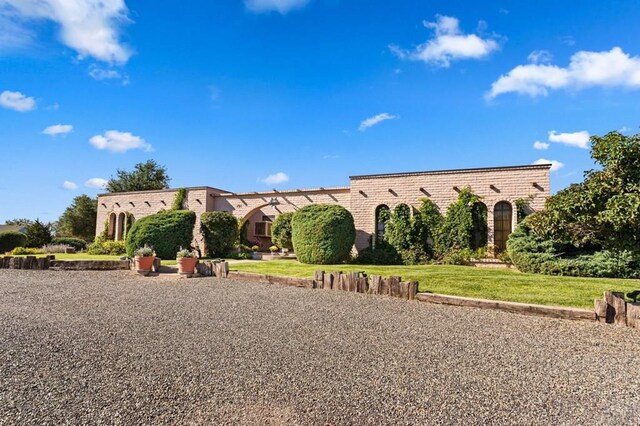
{"x": 272, "y": 279}
{"x": 513, "y": 307}
{"x": 90, "y": 265}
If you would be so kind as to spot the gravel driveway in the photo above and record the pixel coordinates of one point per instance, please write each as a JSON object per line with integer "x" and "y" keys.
{"x": 114, "y": 348}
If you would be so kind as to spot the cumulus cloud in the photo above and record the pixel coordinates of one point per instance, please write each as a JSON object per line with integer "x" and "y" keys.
{"x": 540, "y": 57}
{"x": 555, "y": 165}
{"x": 116, "y": 141}
{"x": 280, "y": 6}
{"x": 17, "y": 101}
{"x": 67, "y": 184}
{"x": 275, "y": 178}
{"x": 613, "y": 68}
{"x": 541, "y": 145}
{"x": 96, "y": 183}
{"x": 100, "y": 74}
{"x": 372, "y": 121}
{"x": 448, "y": 44}
{"x": 578, "y": 139}
{"x": 90, "y": 27}
{"x": 58, "y": 129}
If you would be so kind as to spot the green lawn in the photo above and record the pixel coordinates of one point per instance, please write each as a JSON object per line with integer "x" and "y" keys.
{"x": 486, "y": 283}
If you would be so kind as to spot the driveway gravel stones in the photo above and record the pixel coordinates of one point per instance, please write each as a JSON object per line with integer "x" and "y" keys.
{"x": 116, "y": 348}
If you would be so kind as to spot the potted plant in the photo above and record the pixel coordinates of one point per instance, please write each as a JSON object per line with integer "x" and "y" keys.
{"x": 186, "y": 261}
{"x": 254, "y": 252}
{"x": 273, "y": 250}
{"x": 144, "y": 257}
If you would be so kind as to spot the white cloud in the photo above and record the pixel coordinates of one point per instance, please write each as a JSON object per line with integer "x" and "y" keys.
{"x": 449, "y": 44}
{"x": 69, "y": 185}
{"x": 280, "y": 6}
{"x": 613, "y": 68}
{"x": 96, "y": 183}
{"x": 275, "y": 178}
{"x": 100, "y": 74}
{"x": 17, "y": 101}
{"x": 372, "y": 121}
{"x": 540, "y": 57}
{"x": 541, "y": 145}
{"x": 116, "y": 141}
{"x": 90, "y": 27}
{"x": 58, "y": 129}
{"x": 555, "y": 165}
{"x": 578, "y": 139}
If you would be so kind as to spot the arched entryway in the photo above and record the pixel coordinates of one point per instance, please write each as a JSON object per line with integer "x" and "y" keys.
{"x": 111, "y": 227}
{"x": 502, "y": 217}
{"x": 382, "y": 216}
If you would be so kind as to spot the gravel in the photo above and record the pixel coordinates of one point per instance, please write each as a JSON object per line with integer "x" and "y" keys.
{"x": 115, "y": 348}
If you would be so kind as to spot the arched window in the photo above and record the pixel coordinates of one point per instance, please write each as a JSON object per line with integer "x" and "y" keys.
{"x": 382, "y": 216}
{"x": 120, "y": 227}
{"x": 111, "y": 228}
{"x": 502, "y": 214}
{"x": 480, "y": 228}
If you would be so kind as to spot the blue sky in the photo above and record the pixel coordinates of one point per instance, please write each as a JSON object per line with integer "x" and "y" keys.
{"x": 256, "y": 94}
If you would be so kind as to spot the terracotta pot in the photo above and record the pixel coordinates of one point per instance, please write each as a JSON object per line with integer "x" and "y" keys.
{"x": 144, "y": 264}
{"x": 186, "y": 265}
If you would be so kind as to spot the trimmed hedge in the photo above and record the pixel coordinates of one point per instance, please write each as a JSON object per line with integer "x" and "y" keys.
{"x": 165, "y": 231}
{"x": 76, "y": 243}
{"x": 10, "y": 240}
{"x": 323, "y": 234}
{"x": 220, "y": 232}
{"x": 281, "y": 231}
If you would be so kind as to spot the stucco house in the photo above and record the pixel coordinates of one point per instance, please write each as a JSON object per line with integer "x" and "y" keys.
{"x": 498, "y": 187}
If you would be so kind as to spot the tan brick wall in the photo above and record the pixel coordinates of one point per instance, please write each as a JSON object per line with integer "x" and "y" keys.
{"x": 510, "y": 184}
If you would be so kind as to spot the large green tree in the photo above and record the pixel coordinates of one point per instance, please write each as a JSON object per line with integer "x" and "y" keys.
{"x": 144, "y": 176}
{"x": 603, "y": 211}
{"x": 79, "y": 219}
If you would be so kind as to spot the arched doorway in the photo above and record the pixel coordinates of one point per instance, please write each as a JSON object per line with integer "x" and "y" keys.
{"x": 480, "y": 228}
{"x": 120, "y": 227}
{"x": 111, "y": 227}
{"x": 502, "y": 215}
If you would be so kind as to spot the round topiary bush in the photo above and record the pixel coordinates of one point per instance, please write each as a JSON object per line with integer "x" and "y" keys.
{"x": 10, "y": 240}
{"x": 220, "y": 232}
{"x": 322, "y": 234}
{"x": 166, "y": 232}
{"x": 281, "y": 231}
{"x": 76, "y": 243}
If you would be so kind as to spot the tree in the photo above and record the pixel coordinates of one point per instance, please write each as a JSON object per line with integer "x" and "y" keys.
{"x": 19, "y": 221}
{"x": 39, "y": 234}
{"x": 145, "y": 176}
{"x": 79, "y": 219}
{"x": 220, "y": 232}
{"x": 281, "y": 231}
{"x": 603, "y": 211}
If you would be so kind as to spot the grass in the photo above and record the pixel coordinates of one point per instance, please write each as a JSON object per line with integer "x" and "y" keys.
{"x": 485, "y": 283}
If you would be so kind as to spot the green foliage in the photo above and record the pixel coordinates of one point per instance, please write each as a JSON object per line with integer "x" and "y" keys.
{"x": 458, "y": 257}
{"x": 382, "y": 254}
{"x": 523, "y": 207}
{"x": 79, "y": 219}
{"x": 19, "y": 251}
{"x": 104, "y": 246}
{"x": 178, "y": 201}
{"x": 76, "y": 243}
{"x": 10, "y": 240}
{"x": 165, "y": 231}
{"x": 19, "y": 221}
{"x": 145, "y": 176}
{"x": 323, "y": 234}
{"x": 220, "y": 232}
{"x": 281, "y": 231}
{"x": 457, "y": 229}
{"x": 39, "y": 234}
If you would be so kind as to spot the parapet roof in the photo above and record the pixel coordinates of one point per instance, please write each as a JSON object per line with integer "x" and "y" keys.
{"x": 450, "y": 171}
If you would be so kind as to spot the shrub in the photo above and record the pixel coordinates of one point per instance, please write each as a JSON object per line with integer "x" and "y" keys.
{"x": 382, "y": 254}
{"x": 165, "y": 231}
{"x": 110, "y": 247}
{"x": 76, "y": 243}
{"x": 178, "y": 201}
{"x": 458, "y": 257}
{"x": 322, "y": 234}
{"x": 10, "y": 240}
{"x": 220, "y": 232}
{"x": 281, "y": 231}
{"x": 26, "y": 250}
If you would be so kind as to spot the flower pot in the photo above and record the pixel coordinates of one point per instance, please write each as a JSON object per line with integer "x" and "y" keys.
{"x": 144, "y": 264}
{"x": 186, "y": 265}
